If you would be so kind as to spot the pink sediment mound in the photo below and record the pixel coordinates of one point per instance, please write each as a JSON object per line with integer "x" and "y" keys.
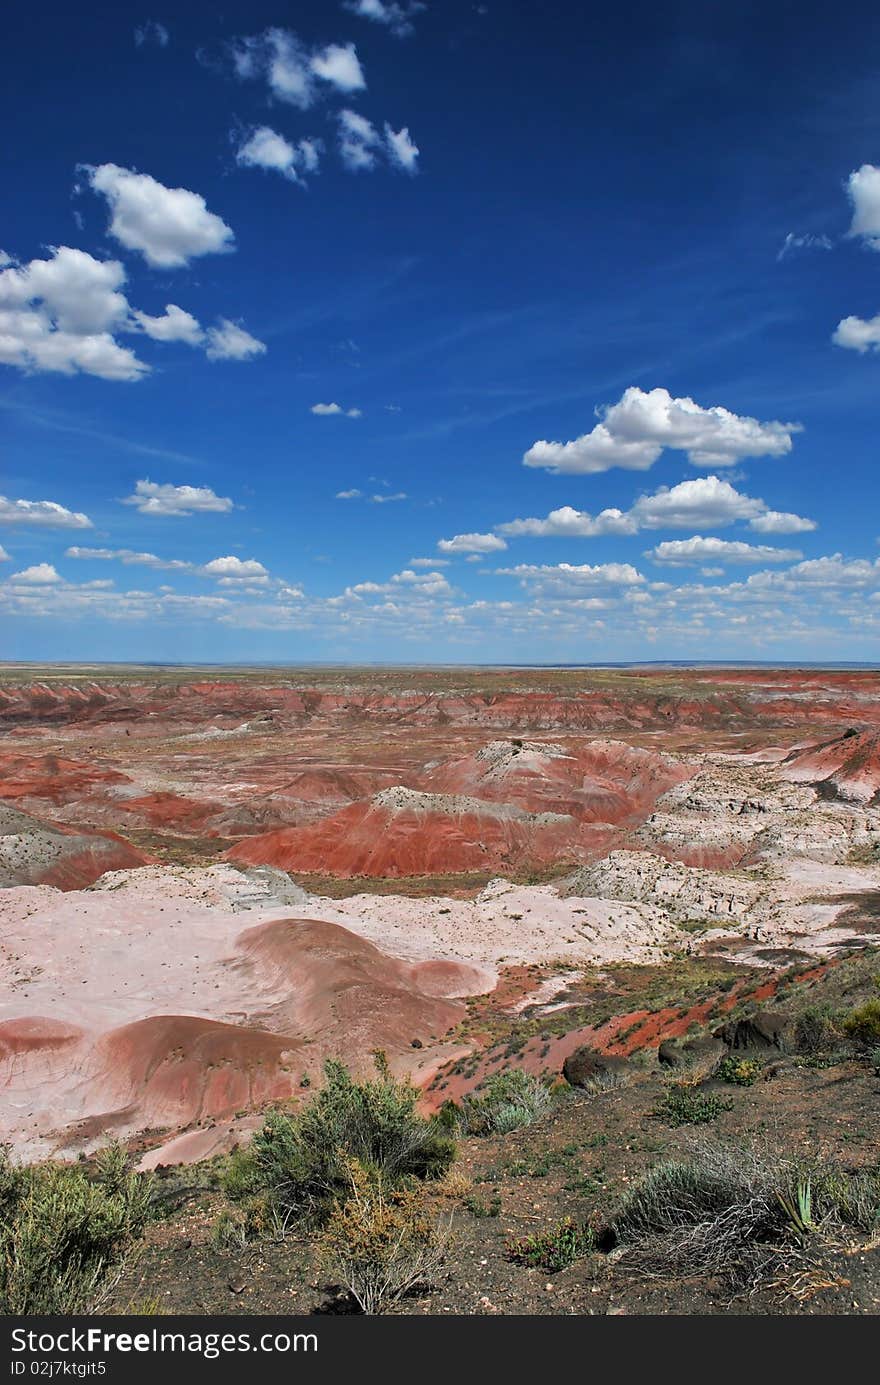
{"x": 847, "y": 767}
{"x": 171, "y": 1070}
{"x": 41, "y": 853}
{"x": 351, "y": 997}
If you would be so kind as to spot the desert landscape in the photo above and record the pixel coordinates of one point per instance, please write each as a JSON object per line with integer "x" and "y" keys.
{"x": 216, "y": 880}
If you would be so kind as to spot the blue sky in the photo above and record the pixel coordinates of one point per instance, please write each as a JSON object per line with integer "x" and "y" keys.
{"x": 440, "y": 333}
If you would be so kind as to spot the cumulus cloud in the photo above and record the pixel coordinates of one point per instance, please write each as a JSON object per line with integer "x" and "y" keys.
{"x": 574, "y": 576}
{"x": 472, "y": 543}
{"x": 44, "y": 513}
{"x": 361, "y": 144}
{"x": 40, "y": 575}
{"x": 265, "y": 148}
{"x": 633, "y": 432}
{"x": 359, "y": 141}
{"x": 863, "y": 187}
{"x": 174, "y": 325}
{"x": 689, "y": 552}
{"x": 59, "y": 314}
{"x": 333, "y": 410}
{"x": 429, "y": 562}
{"x": 353, "y": 494}
{"x": 338, "y": 64}
{"x": 293, "y": 71}
{"x": 402, "y": 151}
{"x": 396, "y": 17}
{"x": 706, "y": 502}
{"x": 781, "y": 522}
{"x": 168, "y": 226}
{"x": 151, "y": 498}
{"x": 130, "y": 557}
{"x": 235, "y": 569}
{"x": 151, "y": 31}
{"x": 858, "y": 334}
{"x": 228, "y": 341}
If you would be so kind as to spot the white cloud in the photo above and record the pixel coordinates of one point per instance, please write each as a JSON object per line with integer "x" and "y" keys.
{"x": 633, "y": 432}
{"x": 781, "y": 522}
{"x": 429, "y": 562}
{"x": 40, "y": 575}
{"x": 228, "y": 341}
{"x": 402, "y": 150}
{"x": 353, "y": 494}
{"x": 857, "y": 334}
{"x": 130, "y": 557}
{"x": 360, "y": 144}
{"x": 567, "y": 522}
{"x": 59, "y": 315}
{"x": 4, "y": 556}
{"x": 472, "y": 543}
{"x": 45, "y": 513}
{"x": 706, "y": 502}
{"x": 292, "y": 71}
{"x": 236, "y": 569}
{"x": 388, "y": 499}
{"x": 863, "y": 186}
{"x": 396, "y": 17}
{"x": 151, "y": 31}
{"x": 338, "y": 64}
{"x": 265, "y": 148}
{"x": 804, "y": 242}
{"x": 174, "y": 325}
{"x": 334, "y": 410}
{"x": 687, "y": 552}
{"x": 151, "y": 498}
{"x": 168, "y": 226}
{"x": 359, "y": 141}
{"x": 573, "y": 576}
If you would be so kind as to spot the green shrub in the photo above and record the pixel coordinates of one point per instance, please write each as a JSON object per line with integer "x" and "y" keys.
{"x": 685, "y": 1104}
{"x": 555, "y": 1248}
{"x": 506, "y": 1101}
{"x": 739, "y": 1072}
{"x": 298, "y": 1163}
{"x": 62, "y": 1233}
{"x": 863, "y": 1023}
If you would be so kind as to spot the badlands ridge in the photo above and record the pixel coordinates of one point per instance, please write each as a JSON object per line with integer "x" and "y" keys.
{"x": 209, "y": 887}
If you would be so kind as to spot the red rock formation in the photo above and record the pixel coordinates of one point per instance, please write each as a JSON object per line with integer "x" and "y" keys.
{"x": 847, "y": 767}
{"x": 403, "y": 832}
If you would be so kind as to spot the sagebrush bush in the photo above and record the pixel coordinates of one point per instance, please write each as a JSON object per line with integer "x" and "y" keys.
{"x": 732, "y": 1211}
{"x": 62, "y": 1233}
{"x": 684, "y": 1104}
{"x": 506, "y": 1101}
{"x": 381, "y": 1245}
{"x": 863, "y": 1023}
{"x": 298, "y": 1163}
{"x": 817, "y": 1028}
